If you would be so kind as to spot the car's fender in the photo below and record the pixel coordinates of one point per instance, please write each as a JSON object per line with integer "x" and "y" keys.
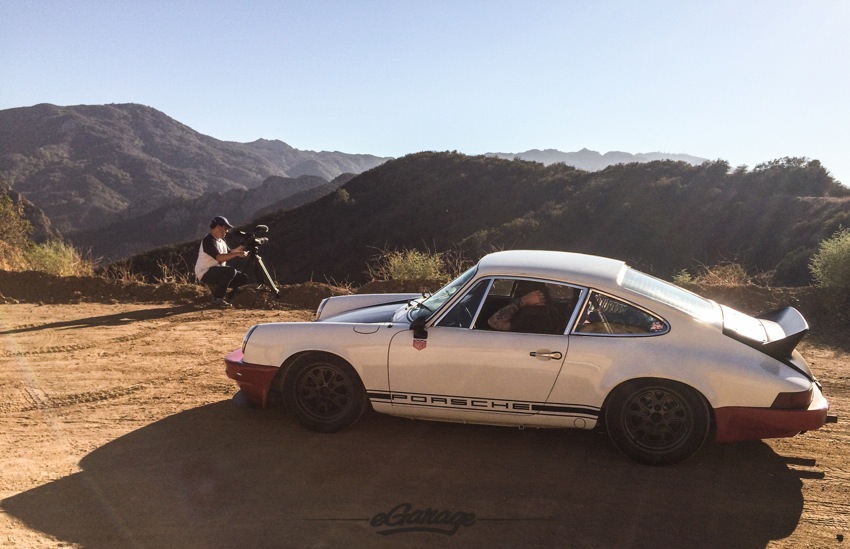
{"x": 363, "y": 346}
{"x": 725, "y": 371}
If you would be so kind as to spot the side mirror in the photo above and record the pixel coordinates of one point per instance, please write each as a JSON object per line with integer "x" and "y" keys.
{"x": 418, "y": 327}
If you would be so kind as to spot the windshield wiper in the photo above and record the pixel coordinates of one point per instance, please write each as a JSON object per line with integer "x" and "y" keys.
{"x": 417, "y": 304}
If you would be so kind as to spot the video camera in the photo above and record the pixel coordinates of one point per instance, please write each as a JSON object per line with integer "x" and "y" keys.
{"x": 254, "y": 264}
{"x": 255, "y": 238}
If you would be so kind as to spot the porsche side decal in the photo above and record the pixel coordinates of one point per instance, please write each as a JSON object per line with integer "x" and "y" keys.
{"x": 483, "y": 404}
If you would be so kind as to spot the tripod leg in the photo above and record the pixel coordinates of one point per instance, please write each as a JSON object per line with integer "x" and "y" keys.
{"x": 263, "y": 274}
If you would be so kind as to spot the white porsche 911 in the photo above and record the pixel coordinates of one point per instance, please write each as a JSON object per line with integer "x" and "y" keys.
{"x": 544, "y": 339}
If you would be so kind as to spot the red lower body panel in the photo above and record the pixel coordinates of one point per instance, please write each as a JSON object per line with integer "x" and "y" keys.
{"x": 736, "y": 423}
{"x": 254, "y": 380}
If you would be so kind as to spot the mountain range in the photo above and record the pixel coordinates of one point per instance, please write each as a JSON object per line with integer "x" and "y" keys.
{"x": 127, "y": 180}
{"x": 661, "y": 216}
{"x": 90, "y": 166}
{"x": 592, "y": 161}
{"x": 118, "y": 179}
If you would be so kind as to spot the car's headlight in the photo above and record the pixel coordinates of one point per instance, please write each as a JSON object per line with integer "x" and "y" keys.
{"x": 245, "y": 339}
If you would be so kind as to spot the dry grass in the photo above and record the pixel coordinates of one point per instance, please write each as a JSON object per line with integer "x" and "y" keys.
{"x": 725, "y": 274}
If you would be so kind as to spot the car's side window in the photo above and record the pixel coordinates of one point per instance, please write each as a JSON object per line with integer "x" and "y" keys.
{"x": 605, "y": 315}
{"x": 527, "y": 306}
{"x": 463, "y": 312}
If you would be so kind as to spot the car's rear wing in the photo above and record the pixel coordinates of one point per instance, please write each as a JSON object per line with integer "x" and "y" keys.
{"x": 794, "y": 327}
{"x": 776, "y": 333}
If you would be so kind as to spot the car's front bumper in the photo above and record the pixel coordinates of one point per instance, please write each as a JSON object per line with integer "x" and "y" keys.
{"x": 736, "y": 423}
{"x": 254, "y": 380}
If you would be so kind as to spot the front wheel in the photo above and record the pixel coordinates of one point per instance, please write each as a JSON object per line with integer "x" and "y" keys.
{"x": 323, "y": 393}
{"x": 656, "y": 421}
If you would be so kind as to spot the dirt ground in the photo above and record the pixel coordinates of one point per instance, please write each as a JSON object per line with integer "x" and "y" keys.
{"x": 118, "y": 428}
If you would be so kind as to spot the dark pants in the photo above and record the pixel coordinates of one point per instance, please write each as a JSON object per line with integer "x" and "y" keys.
{"x": 219, "y": 279}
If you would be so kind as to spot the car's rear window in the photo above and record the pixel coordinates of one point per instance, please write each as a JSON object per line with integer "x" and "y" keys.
{"x": 668, "y": 293}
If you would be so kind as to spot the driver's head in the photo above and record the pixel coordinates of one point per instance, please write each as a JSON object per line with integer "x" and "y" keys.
{"x": 524, "y": 287}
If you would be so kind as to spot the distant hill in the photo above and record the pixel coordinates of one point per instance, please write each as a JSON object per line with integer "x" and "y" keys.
{"x": 91, "y": 165}
{"x": 592, "y": 161}
{"x": 186, "y": 219}
{"x": 661, "y": 216}
{"x": 295, "y": 163}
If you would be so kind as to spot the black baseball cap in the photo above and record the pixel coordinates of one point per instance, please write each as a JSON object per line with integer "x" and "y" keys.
{"x": 220, "y": 220}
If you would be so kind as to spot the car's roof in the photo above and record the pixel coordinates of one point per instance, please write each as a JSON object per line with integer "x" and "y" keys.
{"x": 587, "y": 270}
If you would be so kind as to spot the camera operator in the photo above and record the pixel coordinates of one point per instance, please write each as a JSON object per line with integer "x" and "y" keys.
{"x": 211, "y": 268}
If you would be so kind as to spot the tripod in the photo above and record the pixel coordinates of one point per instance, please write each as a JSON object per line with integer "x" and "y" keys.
{"x": 256, "y": 267}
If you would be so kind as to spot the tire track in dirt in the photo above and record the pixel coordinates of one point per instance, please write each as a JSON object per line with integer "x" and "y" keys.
{"x": 79, "y": 346}
{"x": 30, "y": 398}
{"x": 35, "y": 399}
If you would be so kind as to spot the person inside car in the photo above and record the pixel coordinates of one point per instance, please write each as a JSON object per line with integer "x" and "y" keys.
{"x": 531, "y": 313}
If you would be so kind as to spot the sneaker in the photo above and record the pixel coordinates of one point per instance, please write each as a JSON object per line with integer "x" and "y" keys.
{"x": 221, "y": 303}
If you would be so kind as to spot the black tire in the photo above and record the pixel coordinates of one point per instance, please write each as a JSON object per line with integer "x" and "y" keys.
{"x": 656, "y": 421}
{"x": 323, "y": 393}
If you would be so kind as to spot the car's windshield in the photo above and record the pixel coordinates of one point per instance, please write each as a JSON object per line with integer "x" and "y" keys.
{"x": 430, "y": 305}
{"x": 668, "y": 293}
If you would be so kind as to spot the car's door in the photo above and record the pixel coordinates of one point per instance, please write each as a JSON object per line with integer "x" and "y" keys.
{"x": 611, "y": 340}
{"x": 467, "y": 371}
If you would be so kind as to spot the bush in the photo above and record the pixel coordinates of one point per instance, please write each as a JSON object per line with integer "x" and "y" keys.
{"x": 18, "y": 252}
{"x": 407, "y": 265}
{"x": 682, "y": 278}
{"x": 14, "y": 235}
{"x": 725, "y": 274}
{"x": 15, "y": 230}
{"x": 830, "y": 266}
{"x": 58, "y": 258}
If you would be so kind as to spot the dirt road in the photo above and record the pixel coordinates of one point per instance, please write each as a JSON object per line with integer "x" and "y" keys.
{"x": 118, "y": 429}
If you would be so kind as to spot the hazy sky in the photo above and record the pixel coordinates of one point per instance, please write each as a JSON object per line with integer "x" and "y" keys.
{"x": 746, "y": 81}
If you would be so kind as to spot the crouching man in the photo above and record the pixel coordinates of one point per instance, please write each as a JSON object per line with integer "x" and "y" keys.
{"x": 211, "y": 267}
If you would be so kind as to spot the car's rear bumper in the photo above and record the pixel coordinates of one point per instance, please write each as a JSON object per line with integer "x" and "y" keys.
{"x": 254, "y": 380}
{"x": 736, "y": 423}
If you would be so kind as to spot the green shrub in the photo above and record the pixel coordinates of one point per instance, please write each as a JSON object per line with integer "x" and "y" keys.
{"x": 14, "y": 235}
{"x": 343, "y": 197}
{"x": 14, "y": 228}
{"x": 830, "y": 266}
{"x": 682, "y": 278}
{"x": 408, "y": 264}
{"x": 58, "y": 258}
{"x": 20, "y": 253}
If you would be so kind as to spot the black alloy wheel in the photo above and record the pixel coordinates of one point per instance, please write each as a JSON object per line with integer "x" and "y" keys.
{"x": 657, "y": 421}
{"x": 323, "y": 393}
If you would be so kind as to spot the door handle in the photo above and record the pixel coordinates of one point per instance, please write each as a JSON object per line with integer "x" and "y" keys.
{"x": 541, "y": 354}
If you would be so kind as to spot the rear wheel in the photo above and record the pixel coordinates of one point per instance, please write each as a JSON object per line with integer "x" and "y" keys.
{"x": 323, "y": 393}
{"x": 656, "y": 421}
